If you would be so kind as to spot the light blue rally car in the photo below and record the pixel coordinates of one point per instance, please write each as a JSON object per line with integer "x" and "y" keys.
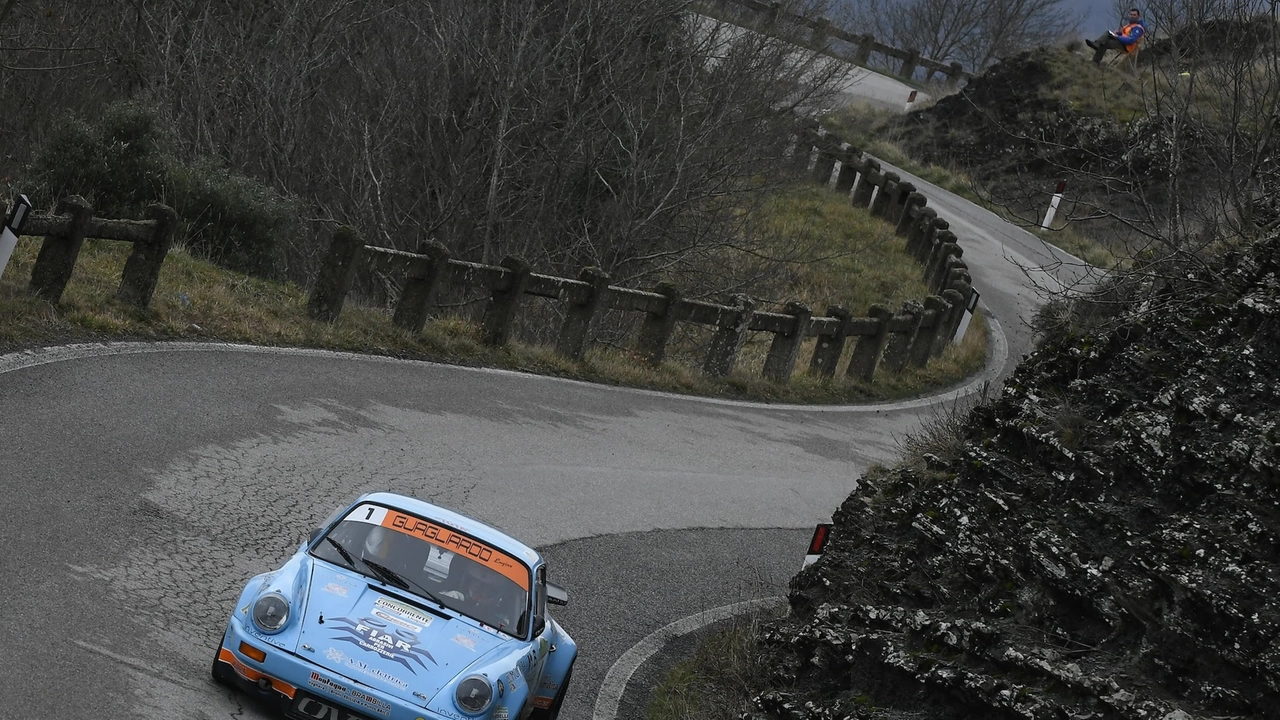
{"x": 395, "y": 608}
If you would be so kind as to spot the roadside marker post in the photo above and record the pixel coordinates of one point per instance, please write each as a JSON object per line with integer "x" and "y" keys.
{"x": 969, "y": 308}
{"x": 910, "y": 99}
{"x": 1053, "y": 205}
{"x": 818, "y": 545}
{"x": 12, "y": 228}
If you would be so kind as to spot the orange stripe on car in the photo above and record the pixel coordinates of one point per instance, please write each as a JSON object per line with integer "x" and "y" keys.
{"x": 456, "y": 542}
{"x": 252, "y": 675}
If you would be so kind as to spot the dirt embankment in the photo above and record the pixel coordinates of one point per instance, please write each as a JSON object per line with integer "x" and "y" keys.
{"x": 1104, "y": 543}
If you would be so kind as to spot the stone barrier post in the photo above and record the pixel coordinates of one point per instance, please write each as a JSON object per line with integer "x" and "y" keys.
{"x": 920, "y": 230}
{"x": 58, "y": 254}
{"x": 848, "y": 171}
{"x": 829, "y": 348}
{"x": 956, "y": 301}
{"x": 951, "y": 269}
{"x": 943, "y": 242}
{"x": 954, "y": 75}
{"x": 581, "y": 312}
{"x": 421, "y": 285}
{"x": 870, "y": 178}
{"x": 922, "y": 349}
{"x": 898, "y": 212}
{"x": 866, "y": 353}
{"x": 657, "y": 327}
{"x": 336, "y": 275}
{"x": 863, "y": 55}
{"x": 504, "y": 302}
{"x": 728, "y": 340}
{"x": 142, "y": 269}
{"x": 825, "y": 165}
{"x": 785, "y": 349}
{"x": 910, "y": 63}
{"x": 899, "y": 350}
{"x": 880, "y": 206}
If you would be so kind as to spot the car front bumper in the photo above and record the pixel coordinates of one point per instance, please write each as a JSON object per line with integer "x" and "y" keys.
{"x": 302, "y": 689}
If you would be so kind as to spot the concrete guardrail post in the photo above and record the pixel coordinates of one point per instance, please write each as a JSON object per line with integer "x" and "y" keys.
{"x": 863, "y": 54}
{"x": 898, "y": 352}
{"x": 936, "y": 310}
{"x": 956, "y": 301}
{"x": 880, "y": 205}
{"x": 866, "y": 353}
{"x": 728, "y": 340}
{"x": 336, "y": 275}
{"x": 829, "y": 348}
{"x": 848, "y": 170}
{"x": 869, "y": 178}
{"x": 896, "y": 213}
{"x": 58, "y": 253}
{"x": 658, "y": 326}
{"x": 954, "y": 76}
{"x": 919, "y": 228}
{"x": 504, "y": 302}
{"x": 785, "y": 349}
{"x": 421, "y": 286}
{"x": 142, "y": 269}
{"x": 581, "y": 312}
{"x": 909, "y": 64}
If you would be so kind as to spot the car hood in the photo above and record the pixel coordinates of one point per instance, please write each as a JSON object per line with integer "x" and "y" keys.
{"x": 382, "y": 639}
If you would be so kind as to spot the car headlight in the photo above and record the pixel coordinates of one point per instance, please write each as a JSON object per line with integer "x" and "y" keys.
{"x": 474, "y": 695}
{"x": 270, "y": 612}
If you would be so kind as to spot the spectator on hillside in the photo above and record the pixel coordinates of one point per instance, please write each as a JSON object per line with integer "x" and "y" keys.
{"x": 1127, "y": 38}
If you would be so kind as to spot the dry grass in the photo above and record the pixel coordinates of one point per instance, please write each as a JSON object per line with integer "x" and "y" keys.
{"x": 717, "y": 682}
{"x": 195, "y": 300}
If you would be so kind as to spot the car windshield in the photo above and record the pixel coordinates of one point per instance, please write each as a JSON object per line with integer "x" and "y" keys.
{"x": 433, "y": 561}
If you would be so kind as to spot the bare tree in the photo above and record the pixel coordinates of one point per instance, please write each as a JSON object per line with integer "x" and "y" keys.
{"x": 973, "y": 32}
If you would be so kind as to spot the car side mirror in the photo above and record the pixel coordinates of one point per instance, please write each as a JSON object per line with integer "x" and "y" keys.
{"x": 539, "y": 625}
{"x": 557, "y": 595}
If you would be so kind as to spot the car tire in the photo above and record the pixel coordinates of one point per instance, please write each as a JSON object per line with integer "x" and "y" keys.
{"x": 221, "y": 673}
{"x": 553, "y": 712}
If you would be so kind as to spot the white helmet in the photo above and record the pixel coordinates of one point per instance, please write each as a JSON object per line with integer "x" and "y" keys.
{"x": 376, "y": 542}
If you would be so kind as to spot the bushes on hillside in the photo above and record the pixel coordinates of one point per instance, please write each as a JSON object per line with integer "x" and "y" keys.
{"x": 127, "y": 160}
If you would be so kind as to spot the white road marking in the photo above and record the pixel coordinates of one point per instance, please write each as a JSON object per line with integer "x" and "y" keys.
{"x": 23, "y": 359}
{"x": 615, "y": 681}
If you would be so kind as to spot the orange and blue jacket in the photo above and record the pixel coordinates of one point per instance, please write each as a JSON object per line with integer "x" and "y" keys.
{"x": 1131, "y": 35}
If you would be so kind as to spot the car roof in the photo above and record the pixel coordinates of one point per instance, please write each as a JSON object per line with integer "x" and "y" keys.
{"x": 457, "y": 521}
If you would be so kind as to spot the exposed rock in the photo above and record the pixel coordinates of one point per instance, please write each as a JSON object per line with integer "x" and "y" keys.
{"x": 1106, "y": 544}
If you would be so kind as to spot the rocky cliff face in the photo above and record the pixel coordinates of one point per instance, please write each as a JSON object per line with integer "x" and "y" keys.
{"x": 1103, "y": 544}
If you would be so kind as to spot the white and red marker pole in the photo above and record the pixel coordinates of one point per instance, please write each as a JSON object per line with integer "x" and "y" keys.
{"x": 12, "y": 227}
{"x": 910, "y": 100}
{"x": 821, "y": 534}
{"x": 1053, "y": 205}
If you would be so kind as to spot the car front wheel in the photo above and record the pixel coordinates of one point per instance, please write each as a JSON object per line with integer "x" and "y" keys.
{"x": 221, "y": 673}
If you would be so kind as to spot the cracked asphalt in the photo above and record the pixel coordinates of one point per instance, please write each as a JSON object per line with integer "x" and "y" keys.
{"x": 143, "y": 485}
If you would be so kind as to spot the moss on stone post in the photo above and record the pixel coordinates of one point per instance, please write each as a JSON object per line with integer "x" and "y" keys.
{"x": 336, "y": 275}
{"x": 504, "y": 302}
{"x": 421, "y": 285}
{"x": 142, "y": 269}
{"x": 658, "y": 326}
{"x": 785, "y": 348}
{"x": 829, "y": 347}
{"x": 58, "y": 253}
{"x": 866, "y": 354}
{"x": 581, "y": 312}
{"x": 728, "y": 340}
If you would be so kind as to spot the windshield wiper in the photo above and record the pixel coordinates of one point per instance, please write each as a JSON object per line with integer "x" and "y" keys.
{"x": 391, "y": 577}
{"x": 351, "y": 562}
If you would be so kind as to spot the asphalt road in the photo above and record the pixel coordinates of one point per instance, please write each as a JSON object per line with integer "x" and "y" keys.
{"x": 143, "y": 484}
